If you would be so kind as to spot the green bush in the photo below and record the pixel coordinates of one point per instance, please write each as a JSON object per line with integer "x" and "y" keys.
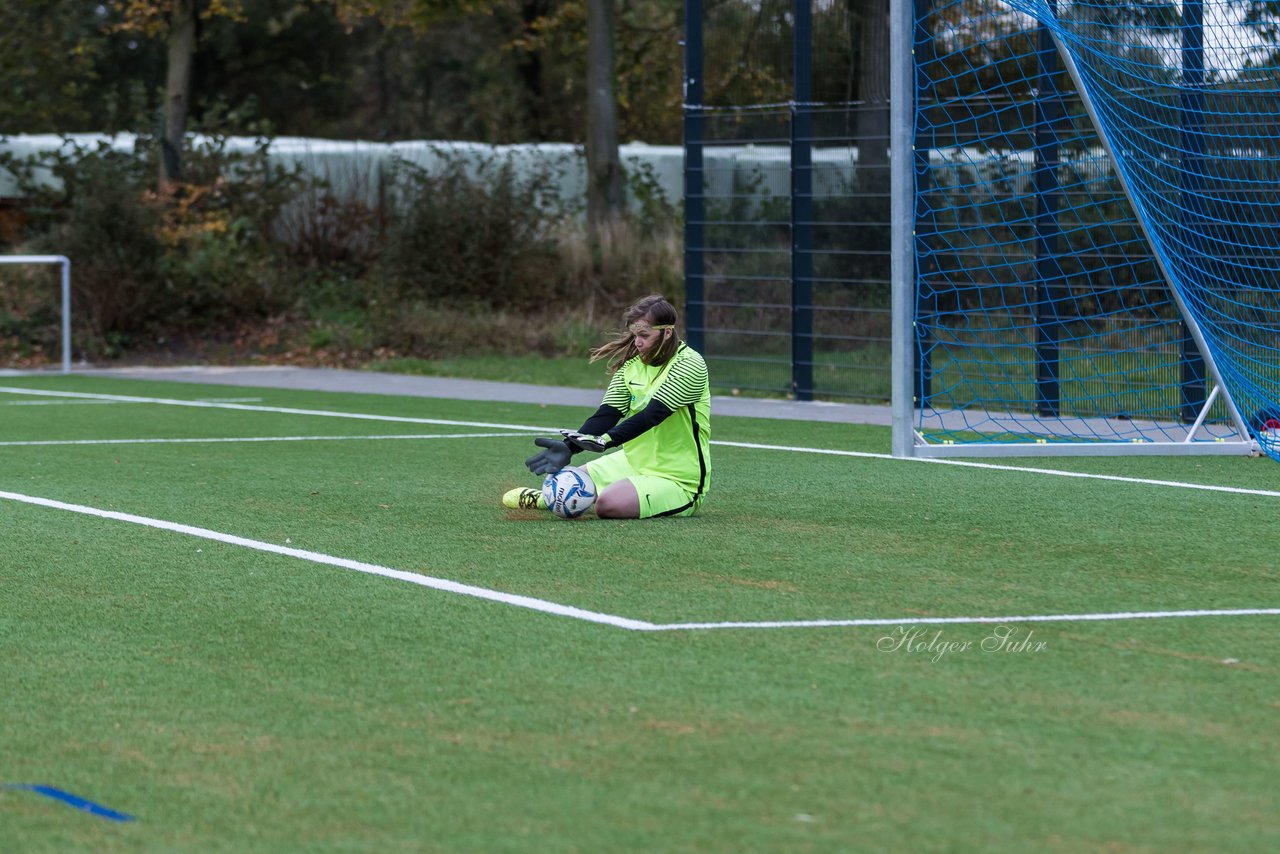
{"x": 468, "y": 234}
{"x": 244, "y": 259}
{"x": 152, "y": 265}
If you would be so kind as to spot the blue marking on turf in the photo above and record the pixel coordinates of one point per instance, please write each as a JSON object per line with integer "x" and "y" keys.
{"x": 73, "y": 800}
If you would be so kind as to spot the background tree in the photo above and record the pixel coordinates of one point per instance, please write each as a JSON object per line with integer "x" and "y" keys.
{"x": 177, "y": 90}
{"x": 500, "y": 71}
{"x": 175, "y": 22}
{"x": 605, "y": 188}
{"x": 48, "y": 50}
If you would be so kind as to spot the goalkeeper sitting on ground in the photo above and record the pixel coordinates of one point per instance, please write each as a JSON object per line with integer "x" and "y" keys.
{"x": 656, "y": 412}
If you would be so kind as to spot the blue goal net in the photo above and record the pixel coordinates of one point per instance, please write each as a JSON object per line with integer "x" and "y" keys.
{"x": 1097, "y": 225}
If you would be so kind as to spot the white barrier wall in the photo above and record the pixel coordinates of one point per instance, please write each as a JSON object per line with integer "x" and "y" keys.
{"x": 356, "y": 167}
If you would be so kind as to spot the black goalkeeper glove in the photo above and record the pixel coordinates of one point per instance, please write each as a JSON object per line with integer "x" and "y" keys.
{"x": 584, "y": 442}
{"x": 555, "y": 456}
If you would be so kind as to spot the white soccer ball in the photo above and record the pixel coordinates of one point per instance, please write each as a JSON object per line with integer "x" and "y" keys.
{"x": 569, "y": 492}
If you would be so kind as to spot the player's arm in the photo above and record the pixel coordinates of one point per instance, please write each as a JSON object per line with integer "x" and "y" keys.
{"x": 556, "y": 454}
{"x": 613, "y": 408}
{"x": 646, "y": 419}
{"x": 602, "y": 421}
{"x": 683, "y": 386}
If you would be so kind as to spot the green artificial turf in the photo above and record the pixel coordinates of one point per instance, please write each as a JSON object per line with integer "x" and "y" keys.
{"x": 237, "y": 700}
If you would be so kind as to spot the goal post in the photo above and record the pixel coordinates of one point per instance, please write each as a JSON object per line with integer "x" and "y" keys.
{"x": 1085, "y": 229}
{"x": 65, "y": 264}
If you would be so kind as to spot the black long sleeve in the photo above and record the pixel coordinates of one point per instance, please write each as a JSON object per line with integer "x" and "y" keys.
{"x": 646, "y": 419}
{"x": 601, "y": 421}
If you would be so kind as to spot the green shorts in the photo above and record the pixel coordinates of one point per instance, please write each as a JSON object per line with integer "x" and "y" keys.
{"x": 659, "y": 496}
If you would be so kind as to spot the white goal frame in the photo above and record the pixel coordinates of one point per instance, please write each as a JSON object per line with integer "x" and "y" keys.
{"x": 65, "y": 263}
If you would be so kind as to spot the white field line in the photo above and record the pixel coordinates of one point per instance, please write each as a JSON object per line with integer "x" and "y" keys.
{"x": 1237, "y": 490}
{"x": 948, "y": 621}
{"x": 343, "y": 563}
{"x": 61, "y": 402}
{"x": 284, "y": 410}
{"x": 559, "y": 610}
{"x": 216, "y": 440}
{"x": 114, "y": 402}
{"x": 750, "y": 445}
{"x": 609, "y": 619}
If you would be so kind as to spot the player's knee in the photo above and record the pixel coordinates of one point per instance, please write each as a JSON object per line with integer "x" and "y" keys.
{"x": 619, "y": 501}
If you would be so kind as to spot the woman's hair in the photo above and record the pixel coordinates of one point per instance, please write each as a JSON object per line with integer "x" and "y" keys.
{"x": 654, "y": 310}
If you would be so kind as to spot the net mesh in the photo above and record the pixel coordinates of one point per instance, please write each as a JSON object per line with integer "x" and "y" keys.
{"x": 1053, "y": 247}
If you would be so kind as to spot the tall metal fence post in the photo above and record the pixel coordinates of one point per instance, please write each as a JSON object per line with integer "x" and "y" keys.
{"x": 1193, "y": 387}
{"x": 802, "y": 203}
{"x": 1049, "y": 276}
{"x": 924, "y": 219}
{"x": 694, "y": 180}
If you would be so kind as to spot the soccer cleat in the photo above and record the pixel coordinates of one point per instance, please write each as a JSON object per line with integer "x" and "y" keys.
{"x": 524, "y": 499}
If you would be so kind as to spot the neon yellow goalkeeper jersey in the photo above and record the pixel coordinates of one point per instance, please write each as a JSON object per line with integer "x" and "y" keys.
{"x": 680, "y": 447}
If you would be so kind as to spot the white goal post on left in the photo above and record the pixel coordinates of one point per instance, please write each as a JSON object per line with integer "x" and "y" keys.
{"x": 65, "y": 263}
